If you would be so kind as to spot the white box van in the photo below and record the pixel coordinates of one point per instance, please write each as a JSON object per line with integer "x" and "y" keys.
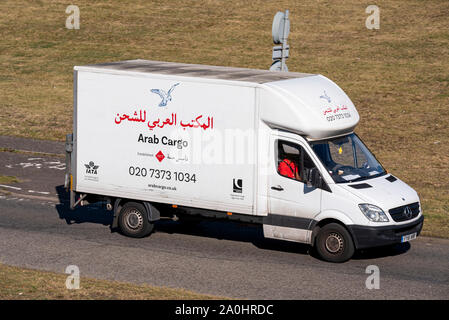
{"x": 169, "y": 140}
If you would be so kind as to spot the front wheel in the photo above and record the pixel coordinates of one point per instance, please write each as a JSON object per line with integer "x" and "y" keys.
{"x": 133, "y": 220}
{"x": 334, "y": 243}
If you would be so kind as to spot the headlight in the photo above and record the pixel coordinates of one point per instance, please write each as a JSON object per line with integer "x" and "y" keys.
{"x": 373, "y": 213}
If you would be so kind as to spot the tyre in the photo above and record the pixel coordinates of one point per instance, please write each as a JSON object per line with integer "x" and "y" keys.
{"x": 133, "y": 220}
{"x": 334, "y": 243}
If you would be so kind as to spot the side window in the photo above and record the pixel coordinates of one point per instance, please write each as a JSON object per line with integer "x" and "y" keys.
{"x": 361, "y": 159}
{"x": 289, "y": 158}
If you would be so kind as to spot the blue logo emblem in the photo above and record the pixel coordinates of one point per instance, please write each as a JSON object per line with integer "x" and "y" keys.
{"x": 325, "y": 97}
{"x": 165, "y": 96}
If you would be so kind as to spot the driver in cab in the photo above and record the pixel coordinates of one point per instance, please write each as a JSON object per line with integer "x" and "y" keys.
{"x": 288, "y": 168}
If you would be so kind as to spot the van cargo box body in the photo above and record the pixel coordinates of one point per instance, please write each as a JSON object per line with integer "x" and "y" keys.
{"x": 210, "y": 138}
{"x": 113, "y": 143}
{"x": 152, "y": 142}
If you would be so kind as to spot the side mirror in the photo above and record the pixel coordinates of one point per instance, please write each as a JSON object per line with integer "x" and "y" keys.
{"x": 313, "y": 178}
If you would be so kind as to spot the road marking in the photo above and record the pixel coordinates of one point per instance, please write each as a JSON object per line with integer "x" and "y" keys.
{"x": 46, "y": 164}
{"x": 41, "y": 192}
{"x": 30, "y": 164}
{"x": 59, "y": 167}
{"x": 5, "y": 186}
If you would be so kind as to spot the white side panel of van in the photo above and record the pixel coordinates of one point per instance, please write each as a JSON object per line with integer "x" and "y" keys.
{"x": 286, "y": 233}
{"x": 263, "y": 168}
{"x": 166, "y": 140}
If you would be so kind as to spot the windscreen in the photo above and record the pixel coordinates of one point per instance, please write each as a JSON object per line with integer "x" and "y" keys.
{"x": 347, "y": 159}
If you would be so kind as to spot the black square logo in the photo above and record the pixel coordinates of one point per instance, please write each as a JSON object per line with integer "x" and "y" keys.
{"x": 237, "y": 185}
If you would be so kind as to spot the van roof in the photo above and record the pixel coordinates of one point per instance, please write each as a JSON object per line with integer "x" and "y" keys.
{"x": 201, "y": 71}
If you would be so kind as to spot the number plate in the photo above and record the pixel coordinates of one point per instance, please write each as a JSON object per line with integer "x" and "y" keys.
{"x": 408, "y": 237}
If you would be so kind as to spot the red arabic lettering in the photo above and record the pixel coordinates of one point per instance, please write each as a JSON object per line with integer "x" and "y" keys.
{"x": 197, "y": 124}
{"x": 329, "y": 110}
{"x": 337, "y": 108}
{"x": 136, "y": 118}
{"x": 171, "y": 121}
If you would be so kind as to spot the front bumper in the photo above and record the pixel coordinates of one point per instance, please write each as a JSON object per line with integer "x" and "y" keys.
{"x": 368, "y": 237}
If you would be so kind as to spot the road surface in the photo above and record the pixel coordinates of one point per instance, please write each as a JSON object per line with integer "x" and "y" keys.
{"x": 38, "y": 231}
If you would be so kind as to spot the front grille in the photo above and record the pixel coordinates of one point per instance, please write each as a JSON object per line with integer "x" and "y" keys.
{"x": 399, "y": 213}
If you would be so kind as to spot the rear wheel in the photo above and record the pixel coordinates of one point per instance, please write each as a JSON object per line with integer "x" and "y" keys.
{"x": 334, "y": 243}
{"x": 133, "y": 220}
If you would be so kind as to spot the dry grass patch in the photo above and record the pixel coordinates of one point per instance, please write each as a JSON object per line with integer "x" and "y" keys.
{"x": 19, "y": 283}
{"x": 8, "y": 179}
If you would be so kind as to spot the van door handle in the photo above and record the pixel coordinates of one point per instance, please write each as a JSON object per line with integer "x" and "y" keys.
{"x": 277, "y": 188}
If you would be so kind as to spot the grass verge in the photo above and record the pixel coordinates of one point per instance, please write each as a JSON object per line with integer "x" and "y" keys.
{"x": 20, "y": 283}
{"x": 8, "y": 179}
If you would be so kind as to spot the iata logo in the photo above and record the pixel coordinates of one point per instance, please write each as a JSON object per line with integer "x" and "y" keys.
{"x": 165, "y": 96}
{"x": 91, "y": 168}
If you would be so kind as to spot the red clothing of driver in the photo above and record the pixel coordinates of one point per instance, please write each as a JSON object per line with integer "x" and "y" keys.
{"x": 288, "y": 168}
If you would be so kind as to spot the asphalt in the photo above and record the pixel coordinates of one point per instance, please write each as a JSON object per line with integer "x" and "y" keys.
{"x": 38, "y": 231}
{"x": 32, "y": 145}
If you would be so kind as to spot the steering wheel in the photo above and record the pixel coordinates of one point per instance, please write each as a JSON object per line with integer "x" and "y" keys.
{"x": 365, "y": 165}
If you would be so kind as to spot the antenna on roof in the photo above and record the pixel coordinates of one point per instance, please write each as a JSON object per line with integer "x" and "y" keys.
{"x": 280, "y": 30}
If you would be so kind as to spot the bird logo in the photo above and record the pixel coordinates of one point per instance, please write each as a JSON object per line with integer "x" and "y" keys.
{"x": 165, "y": 96}
{"x": 326, "y": 97}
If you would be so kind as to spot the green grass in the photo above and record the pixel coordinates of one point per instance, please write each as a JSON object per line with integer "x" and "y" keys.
{"x": 8, "y": 179}
{"x": 398, "y": 76}
{"x": 25, "y": 284}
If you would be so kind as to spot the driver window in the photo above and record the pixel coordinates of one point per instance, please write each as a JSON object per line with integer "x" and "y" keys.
{"x": 289, "y": 160}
